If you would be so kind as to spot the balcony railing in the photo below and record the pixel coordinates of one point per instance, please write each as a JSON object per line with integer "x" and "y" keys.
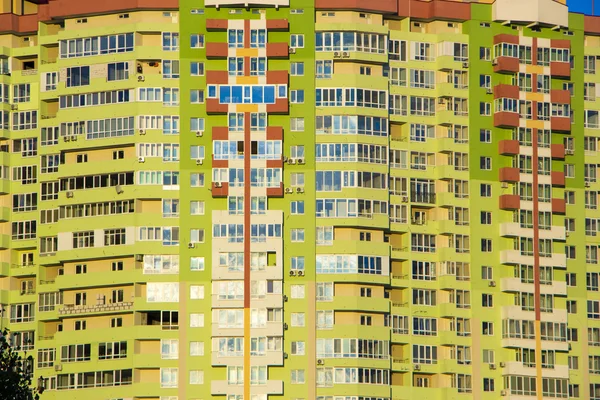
{"x": 73, "y": 309}
{"x": 418, "y": 197}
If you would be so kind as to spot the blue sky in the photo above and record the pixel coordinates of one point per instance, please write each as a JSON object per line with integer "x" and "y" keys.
{"x": 583, "y": 6}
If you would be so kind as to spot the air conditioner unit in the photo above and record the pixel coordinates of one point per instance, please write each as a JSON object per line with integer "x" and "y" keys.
{"x": 301, "y": 161}
{"x": 119, "y": 189}
{"x": 405, "y": 199}
{"x": 292, "y": 161}
{"x": 141, "y": 159}
{"x": 300, "y": 273}
{"x": 285, "y": 298}
{"x": 218, "y": 184}
{"x": 199, "y": 133}
{"x": 285, "y": 327}
{"x": 465, "y": 65}
{"x": 285, "y": 159}
{"x": 58, "y": 367}
{"x": 320, "y": 361}
{"x": 337, "y": 54}
{"x": 587, "y": 184}
{"x": 441, "y": 100}
{"x": 492, "y": 284}
{"x": 502, "y": 364}
{"x": 300, "y": 190}
{"x": 69, "y": 195}
{"x": 199, "y": 162}
{"x": 504, "y": 185}
{"x": 66, "y": 138}
{"x": 141, "y": 78}
{"x": 346, "y": 54}
{"x": 14, "y": 107}
{"x": 489, "y": 91}
{"x": 285, "y": 356}
{"x": 567, "y": 233}
{"x": 74, "y": 138}
{"x": 142, "y": 132}
{"x": 139, "y": 257}
{"x": 292, "y": 273}
{"x": 191, "y": 245}
{"x": 503, "y": 393}
{"x": 495, "y": 61}
{"x": 492, "y": 366}
{"x": 292, "y": 50}
{"x": 289, "y": 190}
{"x": 417, "y": 367}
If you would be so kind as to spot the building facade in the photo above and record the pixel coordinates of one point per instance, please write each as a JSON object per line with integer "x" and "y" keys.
{"x": 305, "y": 199}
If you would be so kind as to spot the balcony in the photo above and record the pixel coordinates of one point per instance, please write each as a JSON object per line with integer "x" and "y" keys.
{"x": 216, "y": 24}
{"x": 213, "y": 106}
{"x": 508, "y": 91}
{"x": 505, "y": 119}
{"x": 557, "y": 151}
{"x": 217, "y": 77}
{"x": 278, "y": 50}
{"x": 558, "y": 206}
{"x": 510, "y": 202}
{"x": 560, "y": 124}
{"x": 560, "y": 96}
{"x": 216, "y": 50}
{"x": 509, "y": 174}
{"x": 423, "y": 198}
{"x": 521, "y": 369}
{"x": 508, "y": 147}
{"x": 557, "y": 178}
{"x": 70, "y": 309}
{"x": 515, "y": 257}
{"x": 506, "y": 65}
{"x": 560, "y": 69}
{"x": 224, "y": 388}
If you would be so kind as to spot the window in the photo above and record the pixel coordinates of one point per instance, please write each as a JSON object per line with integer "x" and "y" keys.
{"x": 78, "y": 76}
{"x": 297, "y": 124}
{"x": 196, "y": 348}
{"x": 197, "y": 180}
{"x": 297, "y": 376}
{"x": 297, "y": 69}
{"x": 486, "y": 218}
{"x": 298, "y": 348}
{"x": 196, "y": 292}
{"x": 485, "y": 54}
{"x": 196, "y": 377}
{"x": 485, "y": 108}
{"x": 487, "y": 273}
{"x": 170, "y": 69}
{"x": 258, "y": 38}
{"x": 485, "y": 163}
{"x": 297, "y": 41}
{"x": 297, "y": 96}
{"x": 486, "y": 245}
{"x": 196, "y": 41}
{"x": 22, "y": 93}
{"x": 297, "y": 235}
{"x": 297, "y": 291}
{"x": 118, "y": 71}
{"x": 324, "y": 69}
{"x": 488, "y": 384}
{"x": 169, "y": 377}
{"x": 22, "y": 312}
{"x": 196, "y": 68}
{"x": 485, "y": 136}
{"x": 297, "y": 207}
{"x": 487, "y": 328}
{"x": 170, "y": 41}
{"x": 112, "y": 350}
{"x": 487, "y": 300}
{"x": 197, "y": 264}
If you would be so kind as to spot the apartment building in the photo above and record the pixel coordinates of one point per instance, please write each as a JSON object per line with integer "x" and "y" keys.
{"x": 305, "y": 199}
